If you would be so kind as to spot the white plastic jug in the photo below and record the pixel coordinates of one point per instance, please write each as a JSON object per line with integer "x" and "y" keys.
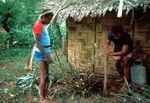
{"x": 138, "y": 73}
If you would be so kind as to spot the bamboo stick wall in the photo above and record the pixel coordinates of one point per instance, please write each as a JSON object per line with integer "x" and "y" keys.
{"x": 80, "y": 44}
{"x": 83, "y": 35}
{"x": 82, "y": 52}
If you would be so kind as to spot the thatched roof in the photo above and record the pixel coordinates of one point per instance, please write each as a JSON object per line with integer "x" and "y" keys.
{"x": 83, "y": 8}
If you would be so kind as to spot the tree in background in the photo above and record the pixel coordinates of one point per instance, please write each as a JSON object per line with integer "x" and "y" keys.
{"x": 17, "y": 18}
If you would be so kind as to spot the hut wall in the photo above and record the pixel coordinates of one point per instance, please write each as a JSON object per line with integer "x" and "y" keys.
{"x": 86, "y": 41}
{"x": 142, "y": 39}
{"x": 90, "y": 31}
{"x": 80, "y": 43}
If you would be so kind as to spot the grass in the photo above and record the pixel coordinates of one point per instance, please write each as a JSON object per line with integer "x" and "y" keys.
{"x": 63, "y": 85}
{"x": 11, "y": 66}
{"x": 12, "y": 62}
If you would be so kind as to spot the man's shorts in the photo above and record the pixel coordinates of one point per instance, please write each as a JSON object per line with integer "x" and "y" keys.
{"x": 39, "y": 55}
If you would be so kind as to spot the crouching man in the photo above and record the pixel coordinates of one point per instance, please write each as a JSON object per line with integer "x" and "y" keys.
{"x": 123, "y": 48}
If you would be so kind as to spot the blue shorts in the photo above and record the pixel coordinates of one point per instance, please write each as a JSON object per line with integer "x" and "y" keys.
{"x": 39, "y": 56}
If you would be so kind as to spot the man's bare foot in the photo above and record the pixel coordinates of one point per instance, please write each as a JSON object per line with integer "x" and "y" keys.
{"x": 44, "y": 101}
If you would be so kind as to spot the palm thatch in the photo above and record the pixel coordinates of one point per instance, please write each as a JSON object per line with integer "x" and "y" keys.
{"x": 83, "y": 8}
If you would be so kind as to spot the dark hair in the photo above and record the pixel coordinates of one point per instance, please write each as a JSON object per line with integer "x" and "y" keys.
{"x": 117, "y": 28}
{"x": 47, "y": 13}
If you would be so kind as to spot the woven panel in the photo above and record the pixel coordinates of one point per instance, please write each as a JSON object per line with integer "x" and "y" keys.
{"x": 83, "y": 35}
{"x": 80, "y": 44}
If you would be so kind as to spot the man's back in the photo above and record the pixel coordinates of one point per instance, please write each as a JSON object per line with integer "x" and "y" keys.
{"x": 124, "y": 39}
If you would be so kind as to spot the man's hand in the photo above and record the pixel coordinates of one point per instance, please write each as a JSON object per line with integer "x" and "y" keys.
{"x": 28, "y": 64}
{"x": 28, "y": 67}
{"x": 112, "y": 53}
{"x": 49, "y": 59}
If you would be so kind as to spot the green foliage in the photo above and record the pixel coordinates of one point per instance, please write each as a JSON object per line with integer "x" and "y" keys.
{"x": 9, "y": 55}
{"x": 57, "y": 33}
{"x": 23, "y": 37}
{"x": 63, "y": 29}
{"x": 23, "y": 14}
{"x": 29, "y": 83}
{"x": 11, "y": 66}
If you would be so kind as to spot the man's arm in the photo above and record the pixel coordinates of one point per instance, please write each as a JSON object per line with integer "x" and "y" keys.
{"x": 122, "y": 52}
{"x": 28, "y": 65}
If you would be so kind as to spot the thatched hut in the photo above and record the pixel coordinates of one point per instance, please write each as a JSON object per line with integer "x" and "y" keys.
{"x": 88, "y": 23}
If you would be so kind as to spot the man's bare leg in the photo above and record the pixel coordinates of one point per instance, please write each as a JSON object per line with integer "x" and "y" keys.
{"x": 43, "y": 75}
{"x": 47, "y": 83}
{"x": 120, "y": 69}
{"x": 127, "y": 68}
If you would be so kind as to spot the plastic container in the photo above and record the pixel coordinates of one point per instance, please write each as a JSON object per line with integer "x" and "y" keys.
{"x": 138, "y": 73}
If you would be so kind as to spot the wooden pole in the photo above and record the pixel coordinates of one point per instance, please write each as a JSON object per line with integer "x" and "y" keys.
{"x": 127, "y": 84}
{"x": 120, "y": 9}
{"x": 105, "y": 75}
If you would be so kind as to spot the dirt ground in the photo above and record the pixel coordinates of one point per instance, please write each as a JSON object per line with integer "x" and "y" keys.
{"x": 113, "y": 87}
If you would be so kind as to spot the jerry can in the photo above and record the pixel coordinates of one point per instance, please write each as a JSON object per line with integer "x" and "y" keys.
{"x": 138, "y": 73}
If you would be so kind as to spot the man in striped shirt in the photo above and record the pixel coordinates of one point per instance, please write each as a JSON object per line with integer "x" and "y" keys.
{"x": 42, "y": 50}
